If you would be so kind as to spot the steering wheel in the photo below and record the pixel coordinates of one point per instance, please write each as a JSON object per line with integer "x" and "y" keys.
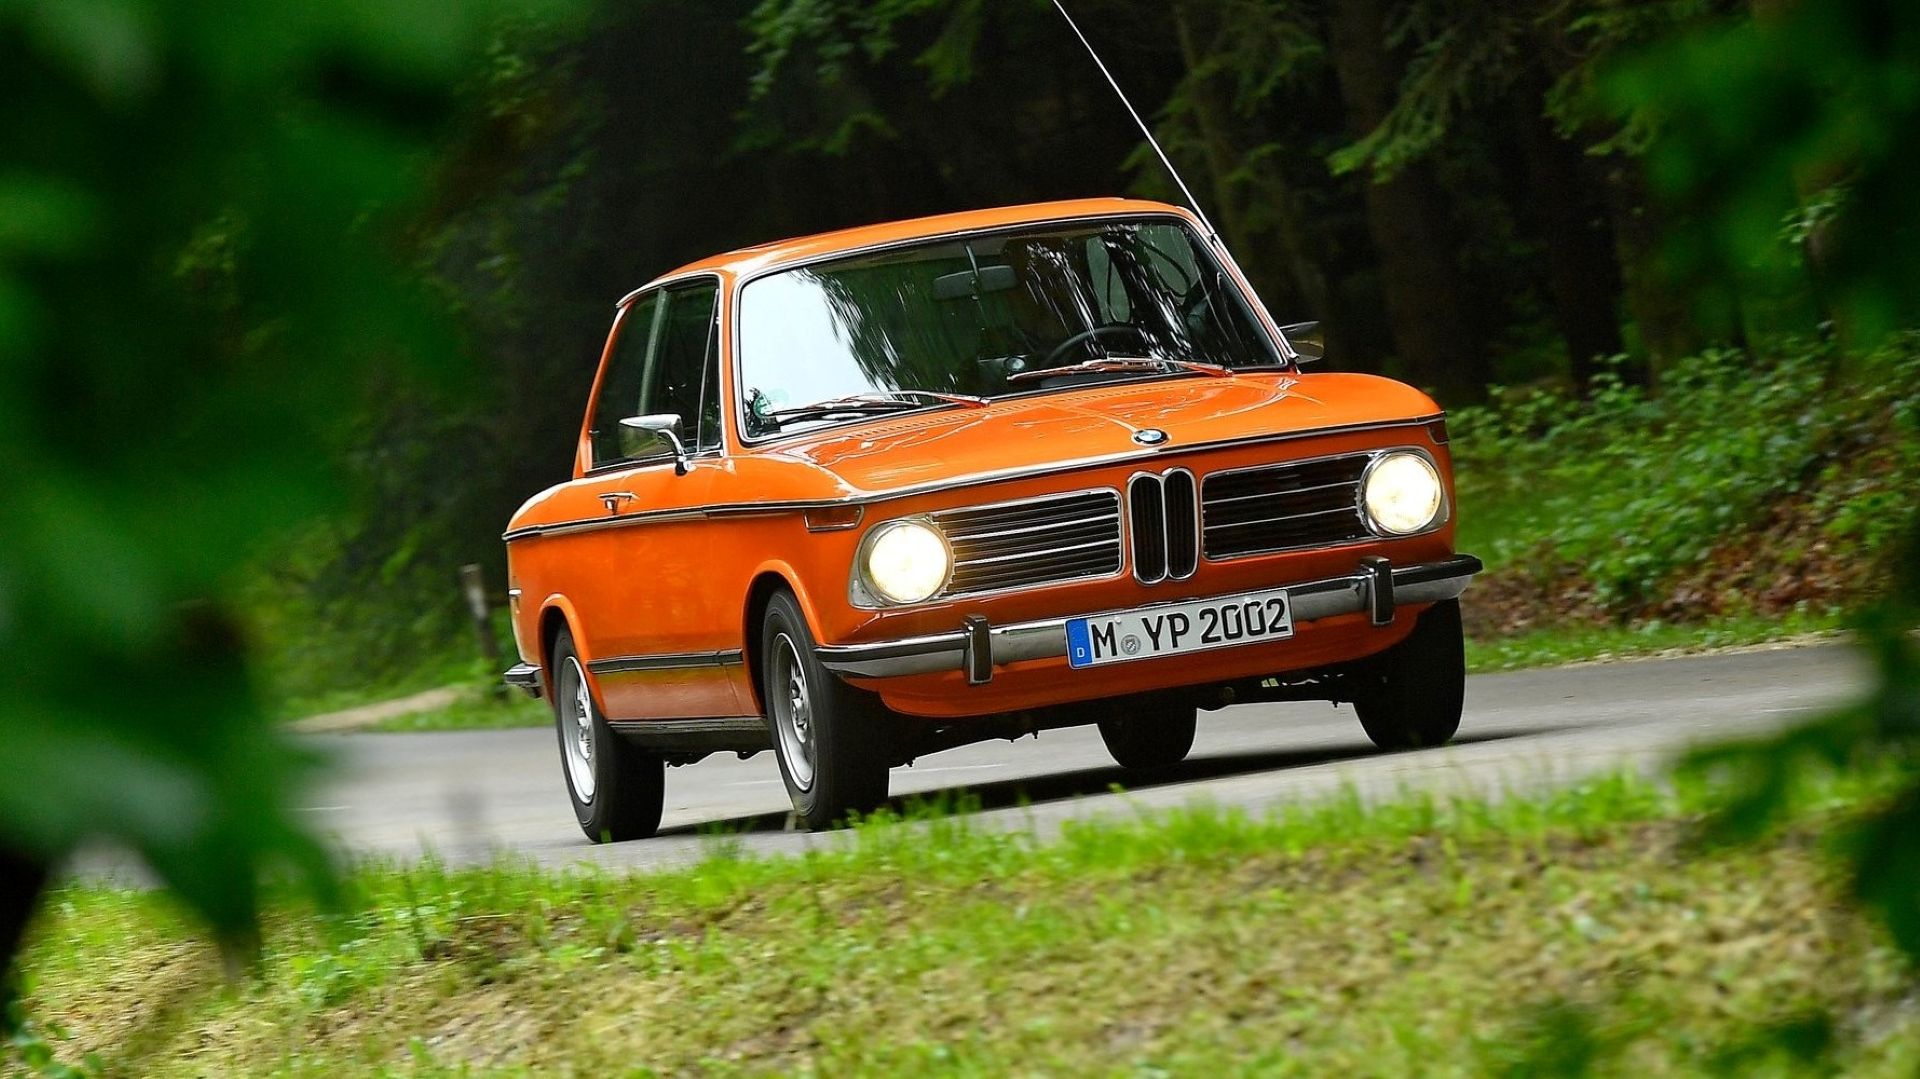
{"x": 1090, "y": 334}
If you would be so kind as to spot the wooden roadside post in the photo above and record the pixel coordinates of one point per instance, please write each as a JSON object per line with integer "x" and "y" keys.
{"x": 473, "y": 585}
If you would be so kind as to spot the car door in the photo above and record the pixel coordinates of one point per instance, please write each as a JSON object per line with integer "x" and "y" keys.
{"x": 661, "y": 642}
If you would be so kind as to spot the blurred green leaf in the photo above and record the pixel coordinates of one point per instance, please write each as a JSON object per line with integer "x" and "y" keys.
{"x": 200, "y": 275}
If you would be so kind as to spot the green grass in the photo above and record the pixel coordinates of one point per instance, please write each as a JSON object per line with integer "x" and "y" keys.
{"x": 1577, "y": 644}
{"x": 482, "y": 711}
{"x": 451, "y": 670}
{"x": 1462, "y": 937}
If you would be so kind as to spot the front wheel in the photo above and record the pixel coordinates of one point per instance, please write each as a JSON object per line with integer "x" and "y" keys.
{"x": 1411, "y": 695}
{"x": 830, "y": 738}
{"x": 618, "y": 790}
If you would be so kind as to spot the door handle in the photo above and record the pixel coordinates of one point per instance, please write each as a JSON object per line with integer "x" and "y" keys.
{"x": 613, "y": 500}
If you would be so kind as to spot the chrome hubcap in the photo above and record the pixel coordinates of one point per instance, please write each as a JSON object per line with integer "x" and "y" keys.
{"x": 576, "y": 734}
{"x": 792, "y": 706}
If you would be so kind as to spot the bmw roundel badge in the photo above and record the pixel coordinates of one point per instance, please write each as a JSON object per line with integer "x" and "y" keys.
{"x": 1150, "y": 436}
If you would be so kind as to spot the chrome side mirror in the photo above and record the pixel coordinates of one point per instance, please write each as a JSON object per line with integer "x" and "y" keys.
{"x": 1308, "y": 344}
{"x": 664, "y": 426}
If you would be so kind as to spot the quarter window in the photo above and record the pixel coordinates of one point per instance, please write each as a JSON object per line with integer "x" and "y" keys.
{"x": 665, "y": 360}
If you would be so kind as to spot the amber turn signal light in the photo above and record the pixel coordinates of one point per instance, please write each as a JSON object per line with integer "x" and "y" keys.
{"x": 834, "y": 518}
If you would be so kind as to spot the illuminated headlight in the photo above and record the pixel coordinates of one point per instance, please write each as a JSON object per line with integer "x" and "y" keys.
{"x": 1402, "y": 494}
{"x": 907, "y": 562}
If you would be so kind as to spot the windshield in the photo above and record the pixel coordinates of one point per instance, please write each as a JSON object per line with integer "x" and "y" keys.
{"x": 985, "y": 316}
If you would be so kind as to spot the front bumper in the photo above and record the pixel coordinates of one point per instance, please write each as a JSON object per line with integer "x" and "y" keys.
{"x": 1377, "y": 588}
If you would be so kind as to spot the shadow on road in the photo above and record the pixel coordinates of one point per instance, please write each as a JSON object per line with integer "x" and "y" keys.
{"x": 1086, "y": 782}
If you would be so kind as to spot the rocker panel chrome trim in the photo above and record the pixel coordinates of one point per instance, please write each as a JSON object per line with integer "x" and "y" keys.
{"x": 667, "y": 662}
{"x": 716, "y": 725}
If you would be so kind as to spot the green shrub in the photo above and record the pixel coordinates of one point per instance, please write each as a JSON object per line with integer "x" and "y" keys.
{"x": 1632, "y": 490}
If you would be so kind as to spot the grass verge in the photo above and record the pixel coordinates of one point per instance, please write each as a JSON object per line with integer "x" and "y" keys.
{"x": 1561, "y": 645}
{"x": 1531, "y": 935}
{"x": 480, "y": 711}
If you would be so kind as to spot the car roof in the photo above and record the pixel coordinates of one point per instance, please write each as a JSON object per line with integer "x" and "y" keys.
{"x": 760, "y": 257}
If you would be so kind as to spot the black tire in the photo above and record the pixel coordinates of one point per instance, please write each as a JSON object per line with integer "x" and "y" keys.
{"x": 831, "y": 739}
{"x": 1150, "y": 733}
{"x": 1411, "y": 695}
{"x": 625, "y": 786}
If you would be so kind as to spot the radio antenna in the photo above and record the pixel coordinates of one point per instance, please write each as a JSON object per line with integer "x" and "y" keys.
{"x": 1192, "y": 202}
{"x": 1213, "y": 234}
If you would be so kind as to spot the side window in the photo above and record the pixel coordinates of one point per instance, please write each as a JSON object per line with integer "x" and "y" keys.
{"x": 620, "y": 387}
{"x": 665, "y": 360}
{"x": 683, "y": 373}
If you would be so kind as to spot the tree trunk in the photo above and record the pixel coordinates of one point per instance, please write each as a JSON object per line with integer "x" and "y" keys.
{"x": 1583, "y": 279}
{"x": 1407, "y": 215}
{"x": 1661, "y": 313}
{"x": 1212, "y": 115}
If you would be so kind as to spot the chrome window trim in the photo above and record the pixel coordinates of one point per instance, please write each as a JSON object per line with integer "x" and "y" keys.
{"x": 1255, "y": 309}
{"x": 720, "y": 322}
{"x": 633, "y": 464}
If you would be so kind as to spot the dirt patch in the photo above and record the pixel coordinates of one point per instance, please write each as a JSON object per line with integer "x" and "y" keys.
{"x": 368, "y": 715}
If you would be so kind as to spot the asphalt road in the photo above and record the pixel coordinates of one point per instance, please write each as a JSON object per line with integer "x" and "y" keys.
{"x": 474, "y": 796}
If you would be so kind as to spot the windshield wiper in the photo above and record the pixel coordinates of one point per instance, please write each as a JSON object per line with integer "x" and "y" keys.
{"x": 877, "y": 402}
{"x": 966, "y": 399}
{"x": 1122, "y": 365}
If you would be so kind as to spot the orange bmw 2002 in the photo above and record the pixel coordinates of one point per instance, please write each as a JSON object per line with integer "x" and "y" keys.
{"x": 863, "y": 496}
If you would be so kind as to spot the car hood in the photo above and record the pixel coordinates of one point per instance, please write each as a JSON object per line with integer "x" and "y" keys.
{"x": 1098, "y": 423}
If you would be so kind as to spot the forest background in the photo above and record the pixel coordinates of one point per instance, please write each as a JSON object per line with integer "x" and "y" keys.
{"x": 297, "y": 304}
{"x": 1668, "y": 417}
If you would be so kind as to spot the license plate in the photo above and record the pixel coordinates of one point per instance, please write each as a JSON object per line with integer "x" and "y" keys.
{"x": 1178, "y": 628}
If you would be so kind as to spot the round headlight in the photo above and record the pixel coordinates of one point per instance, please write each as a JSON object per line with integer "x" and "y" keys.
{"x": 1403, "y": 493}
{"x": 907, "y": 562}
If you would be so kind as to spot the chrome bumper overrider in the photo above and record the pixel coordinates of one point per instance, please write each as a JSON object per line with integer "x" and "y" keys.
{"x": 524, "y": 677}
{"x": 1377, "y": 587}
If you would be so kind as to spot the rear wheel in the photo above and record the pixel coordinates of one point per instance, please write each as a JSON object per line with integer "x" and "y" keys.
{"x": 830, "y": 738}
{"x": 1151, "y": 733}
{"x": 617, "y": 789}
{"x": 1411, "y": 695}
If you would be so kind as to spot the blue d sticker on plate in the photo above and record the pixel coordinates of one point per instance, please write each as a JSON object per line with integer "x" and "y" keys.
{"x": 1079, "y": 648}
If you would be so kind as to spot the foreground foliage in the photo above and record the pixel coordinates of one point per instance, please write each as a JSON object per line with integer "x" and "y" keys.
{"x": 1539, "y": 935}
{"x": 196, "y": 275}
